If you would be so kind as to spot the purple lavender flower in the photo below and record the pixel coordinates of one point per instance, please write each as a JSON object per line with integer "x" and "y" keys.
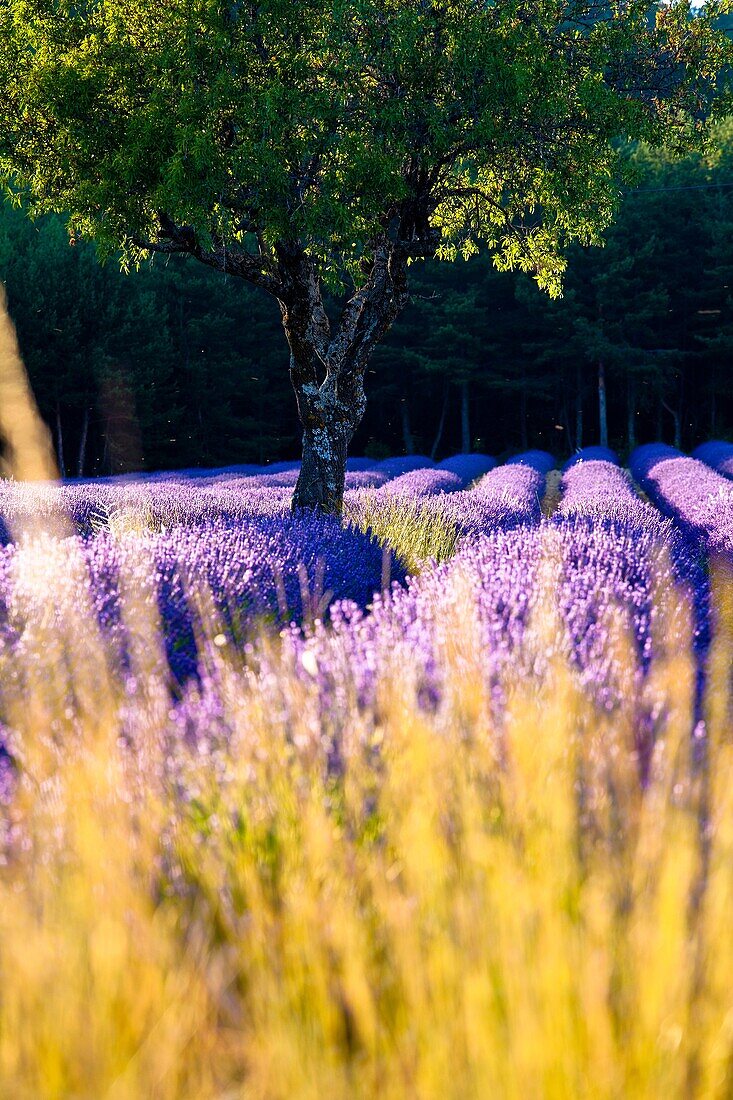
{"x": 717, "y": 454}
{"x": 423, "y": 483}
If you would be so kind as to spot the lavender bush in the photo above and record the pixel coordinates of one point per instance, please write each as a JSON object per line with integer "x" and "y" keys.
{"x": 468, "y": 466}
{"x": 619, "y": 554}
{"x": 699, "y": 499}
{"x": 589, "y": 454}
{"x": 542, "y": 461}
{"x": 717, "y": 454}
{"x": 394, "y": 467}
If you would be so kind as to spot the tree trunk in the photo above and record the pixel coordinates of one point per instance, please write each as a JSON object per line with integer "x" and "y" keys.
{"x": 327, "y": 372}
{"x": 677, "y": 425}
{"x": 407, "y": 438}
{"x": 602, "y": 406}
{"x": 441, "y": 425}
{"x": 83, "y": 444}
{"x": 523, "y": 439}
{"x": 565, "y": 418}
{"x": 60, "y": 443}
{"x": 578, "y": 406}
{"x": 465, "y": 420}
{"x": 631, "y": 411}
{"x": 330, "y": 414}
{"x": 323, "y": 469}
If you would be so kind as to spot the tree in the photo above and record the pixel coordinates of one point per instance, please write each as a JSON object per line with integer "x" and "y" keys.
{"x": 315, "y": 144}
{"x": 716, "y": 307}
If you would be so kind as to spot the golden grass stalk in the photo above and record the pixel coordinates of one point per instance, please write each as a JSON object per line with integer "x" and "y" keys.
{"x": 28, "y": 450}
{"x": 467, "y": 906}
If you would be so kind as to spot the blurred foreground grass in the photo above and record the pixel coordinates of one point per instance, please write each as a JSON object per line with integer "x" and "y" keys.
{"x": 465, "y": 907}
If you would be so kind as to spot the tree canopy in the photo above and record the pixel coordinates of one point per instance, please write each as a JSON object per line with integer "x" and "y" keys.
{"x": 227, "y": 126}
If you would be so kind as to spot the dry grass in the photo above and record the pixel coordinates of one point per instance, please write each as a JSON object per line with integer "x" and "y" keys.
{"x": 416, "y": 530}
{"x": 467, "y": 908}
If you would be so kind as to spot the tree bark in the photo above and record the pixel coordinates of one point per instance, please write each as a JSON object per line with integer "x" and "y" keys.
{"x": 327, "y": 372}
{"x": 465, "y": 419}
{"x": 602, "y": 404}
{"x": 323, "y": 469}
{"x": 83, "y": 444}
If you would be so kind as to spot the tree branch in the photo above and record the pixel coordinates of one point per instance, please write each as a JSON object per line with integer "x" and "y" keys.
{"x": 301, "y": 301}
{"x": 371, "y": 311}
{"x": 182, "y": 239}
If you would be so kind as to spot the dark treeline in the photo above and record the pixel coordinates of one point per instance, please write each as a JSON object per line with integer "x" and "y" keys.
{"x": 177, "y": 366}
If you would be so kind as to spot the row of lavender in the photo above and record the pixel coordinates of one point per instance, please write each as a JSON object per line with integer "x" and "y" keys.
{"x": 683, "y": 487}
{"x": 246, "y": 563}
{"x": 617, "y": 551}
{"x": 465, "y": 465}
{"x": 232, "y": 546}
{"x": 232, "y": 495}
{"x": 582, "y": 586}
{"x": 697, "y": 495}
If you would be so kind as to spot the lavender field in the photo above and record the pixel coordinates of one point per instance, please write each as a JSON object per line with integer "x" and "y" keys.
{"x": 434, "y": 801}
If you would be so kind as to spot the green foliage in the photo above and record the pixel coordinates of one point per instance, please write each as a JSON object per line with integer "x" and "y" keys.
{"x": 331, "y": 124}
